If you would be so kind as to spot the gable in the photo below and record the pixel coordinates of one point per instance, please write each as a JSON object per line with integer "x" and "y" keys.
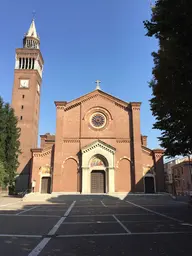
{"x": 89, "y": 96}
{"x": 99, "y": 144}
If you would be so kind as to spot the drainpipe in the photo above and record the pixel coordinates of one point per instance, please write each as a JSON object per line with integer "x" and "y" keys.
{"x": 190, "y": 174}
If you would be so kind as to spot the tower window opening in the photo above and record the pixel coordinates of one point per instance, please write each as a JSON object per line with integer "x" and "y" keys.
{"x": 23, "y": 59}
{"x": 29, "y": 63}
{"x": 21, "y": 117}
{"x": 26, "y": 66}
{"x": 33, "y": 63}
{"x": 22, "y": 106}
{"x": 23, "y": 96}
{"x": 19, "y": 62}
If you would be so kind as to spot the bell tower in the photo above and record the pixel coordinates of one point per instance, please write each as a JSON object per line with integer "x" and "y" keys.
{"x": 26, "y": 99}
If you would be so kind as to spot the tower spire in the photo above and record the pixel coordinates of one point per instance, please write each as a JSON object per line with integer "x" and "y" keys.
{"x": 31, "y": 39}
{"x": 32, "y": 32}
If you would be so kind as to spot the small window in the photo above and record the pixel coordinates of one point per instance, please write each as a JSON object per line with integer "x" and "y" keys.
{"x": 23, "y": 96}
{"x": 22, "y": 106}
{"x": 21, "y": 118}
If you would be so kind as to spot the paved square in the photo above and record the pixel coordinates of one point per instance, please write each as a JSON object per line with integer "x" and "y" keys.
{"x": 98, "y": 225}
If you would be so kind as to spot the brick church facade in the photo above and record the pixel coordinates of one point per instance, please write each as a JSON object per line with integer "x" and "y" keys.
{"x": 97, "y": 146}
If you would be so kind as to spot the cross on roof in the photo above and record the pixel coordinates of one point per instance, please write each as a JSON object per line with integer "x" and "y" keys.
{"x": 98, "y": 85}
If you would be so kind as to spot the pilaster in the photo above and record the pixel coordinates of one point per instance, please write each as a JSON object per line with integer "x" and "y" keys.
{"x": 136, "y": 147}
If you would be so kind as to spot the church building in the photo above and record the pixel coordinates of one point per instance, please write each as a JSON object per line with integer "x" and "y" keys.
{"x": 97, "y": 147}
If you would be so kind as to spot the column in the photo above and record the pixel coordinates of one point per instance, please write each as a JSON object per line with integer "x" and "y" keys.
{"x": 85, "y": 180}
{"x": 111, "y": 175}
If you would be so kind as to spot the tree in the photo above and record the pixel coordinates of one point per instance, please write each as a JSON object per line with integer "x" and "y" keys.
{"x": 9, "y": 144}
{"x": 2, "y": 144}
{"x": 3, "y": 175}
{"x": 171, "y": 104}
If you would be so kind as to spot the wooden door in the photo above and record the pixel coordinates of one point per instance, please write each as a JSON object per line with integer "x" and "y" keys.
{"x": 97, "y": 182}
{"x": 149, "y": 185}
{"x": 46, "y": 185}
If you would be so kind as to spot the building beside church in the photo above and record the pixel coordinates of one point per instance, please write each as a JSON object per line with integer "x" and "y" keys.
{"x": 97, "y": 147}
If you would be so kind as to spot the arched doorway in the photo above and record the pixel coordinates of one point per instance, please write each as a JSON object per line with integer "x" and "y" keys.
{"x": 98, "y": 181}
{"x": 98, "y": 174}
{"x": 149, "y": 185}
{"x": 46, "y": 185}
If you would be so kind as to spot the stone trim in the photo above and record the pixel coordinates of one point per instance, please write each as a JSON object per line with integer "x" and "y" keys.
{"x": 124, "y": 157}
{"x": 92, "y": 95}
{"x": 98, "y": 144}
{"x": 123, "y": 140}
{"x": 43, "y": 153}
{"x": 121, "y": 106}
{"x": 72, "y": 106}
{"x": 71, "y": 140}
{"x": 60, "y": 107}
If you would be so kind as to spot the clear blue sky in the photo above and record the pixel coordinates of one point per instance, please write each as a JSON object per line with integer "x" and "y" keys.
{"x": 81, "y": 41}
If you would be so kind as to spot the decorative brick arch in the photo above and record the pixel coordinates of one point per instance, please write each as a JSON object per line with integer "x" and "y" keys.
{"x": 97, "y": 109}
{"x": 123, "y": 167}
{"x": 70, "y": 157}
{"x": 124, "y": 157}
{"x": 70, "y": 169}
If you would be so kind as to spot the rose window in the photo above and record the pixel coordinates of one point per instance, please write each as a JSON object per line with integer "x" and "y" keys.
{"x": 98, "y": 120}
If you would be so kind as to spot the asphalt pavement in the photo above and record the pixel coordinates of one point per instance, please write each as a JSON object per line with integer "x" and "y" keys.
{"x": 96, "y": 226}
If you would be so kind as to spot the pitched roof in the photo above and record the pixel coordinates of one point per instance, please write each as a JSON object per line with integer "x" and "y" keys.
{"x": 93, "y": 94}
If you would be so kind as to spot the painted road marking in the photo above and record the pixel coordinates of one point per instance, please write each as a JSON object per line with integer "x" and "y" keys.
{"x": 14, "y": 235}
{"x": 70, "y": 208}
{"x": 39, "y": 247}
{"x": 103, "y": 204}
{"x": 42, "y": 244}
{"x": 30, "y": 215}
{"x": 27, "y": 210}
{"x": 88, "y": 222}
{"x": 119, "y": 214}
{"x": 44, "y": 210}
{"x": 123, "y": 226}
{"x": 37, "y": 250}
{"x": 125, "y": 234}
{"x": 186, "y": 224}
{"x": 154, "y": 212}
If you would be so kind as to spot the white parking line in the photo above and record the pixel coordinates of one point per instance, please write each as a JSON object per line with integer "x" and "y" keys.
{"x": 37, "y": 250}
{"x": 50, "y": 210}
{"x": 14, "y": 235}
{"x": 70, "y": 208}
{"x": 30, "y": 215}
{"x": 120, "y": 214}
{"x": 39, "y": 247}
{"x": 27, "y": 210}
{"x": 88, "y": 222}
{"x": 125, "y": 234}
{"x": 123, "y": 226}
{"x": 57, "y": 225}
{"x": 103, "y": 204}
{"x": 186, "y": 224}
{"x": 154, "y": 212}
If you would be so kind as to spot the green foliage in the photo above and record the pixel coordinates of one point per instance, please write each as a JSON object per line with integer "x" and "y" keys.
{"x": 3, "y": 175}
{"x": 9, "y": 145}
{"x": 171, "y": 104}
